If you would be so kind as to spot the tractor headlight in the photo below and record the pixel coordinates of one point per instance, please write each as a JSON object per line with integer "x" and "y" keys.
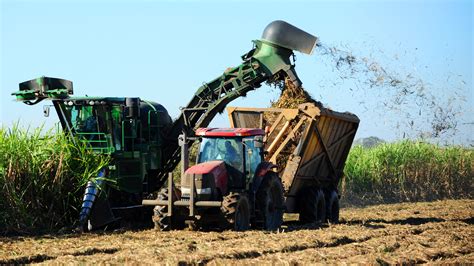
{"x": 200, "y": 191}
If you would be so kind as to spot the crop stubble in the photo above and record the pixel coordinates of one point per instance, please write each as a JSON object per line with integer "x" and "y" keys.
{"x": 398, "y": 233}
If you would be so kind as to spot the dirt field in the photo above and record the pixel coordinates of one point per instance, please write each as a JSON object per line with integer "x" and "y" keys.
{"x": 400, "y": 233}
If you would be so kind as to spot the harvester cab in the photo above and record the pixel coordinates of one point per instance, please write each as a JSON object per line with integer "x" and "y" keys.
{"x": 106, "y": 124}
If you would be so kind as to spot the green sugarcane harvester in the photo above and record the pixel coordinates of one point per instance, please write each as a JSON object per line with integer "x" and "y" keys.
{"x": 139, "y": 135}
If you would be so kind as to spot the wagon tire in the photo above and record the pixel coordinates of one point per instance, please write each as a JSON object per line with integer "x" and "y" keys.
{"x": 332, "y": 210}
{"x": 312, "y": 205}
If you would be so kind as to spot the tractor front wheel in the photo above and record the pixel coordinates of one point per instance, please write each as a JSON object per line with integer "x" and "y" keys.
{"x": 161, "y": 220}
{"x": 236, "y": 209}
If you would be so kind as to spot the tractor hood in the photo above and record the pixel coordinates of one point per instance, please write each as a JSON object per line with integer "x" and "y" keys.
{"x": 207, "y": 177}
{"x": 215, "y": 167}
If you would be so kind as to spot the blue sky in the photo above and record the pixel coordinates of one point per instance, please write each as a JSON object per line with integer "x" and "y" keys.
{"x": 164, "y": 50}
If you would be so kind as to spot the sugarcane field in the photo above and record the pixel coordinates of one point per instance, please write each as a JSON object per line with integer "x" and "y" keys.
{"x": 206, "y": 133}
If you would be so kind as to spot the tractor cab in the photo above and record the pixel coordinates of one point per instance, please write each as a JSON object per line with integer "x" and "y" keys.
{"x": 231, "y": 186}
{"x": 227, "y": 160}
{"x": 239, "y": 148}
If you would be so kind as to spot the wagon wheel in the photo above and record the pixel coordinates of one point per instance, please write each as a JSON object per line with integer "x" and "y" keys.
{"x": 270, "y": 202}
{"x": 312, "y": 205}
{"x": 236, "y": 210}
{"x": 332, "y": 209}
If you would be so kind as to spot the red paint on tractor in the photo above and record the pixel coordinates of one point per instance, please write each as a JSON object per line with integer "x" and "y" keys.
{"x": 216, "y": 168}
{"x": 229, "y": 132}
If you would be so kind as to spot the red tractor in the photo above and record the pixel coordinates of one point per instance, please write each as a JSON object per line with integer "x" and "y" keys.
{"x": 231, "y": 186}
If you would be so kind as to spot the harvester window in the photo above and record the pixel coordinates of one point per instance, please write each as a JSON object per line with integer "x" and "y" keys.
{"x": 86, "y": 119}
{"x": 116, "y": 124}
{"x": 82, "y": 118}
{"x": 91, "y": 123}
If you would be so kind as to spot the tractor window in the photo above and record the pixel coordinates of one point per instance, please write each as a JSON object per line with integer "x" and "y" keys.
{"x": 252, "y": 157}
{"x": 222, "y": 149}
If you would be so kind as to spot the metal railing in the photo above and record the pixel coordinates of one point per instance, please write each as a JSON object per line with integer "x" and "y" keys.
{"x": 98, "y": 142}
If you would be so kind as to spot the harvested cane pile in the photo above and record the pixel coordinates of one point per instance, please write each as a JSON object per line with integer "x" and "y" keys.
{"x": 291, "y": 96}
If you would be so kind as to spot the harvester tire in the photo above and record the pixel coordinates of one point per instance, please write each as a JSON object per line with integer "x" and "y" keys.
{"x": 236, "y": 209}
{"x": 312, "y": 206}
{"x": 332, "y": 210}
{"x": 161, "y": 220}
{"x": 270, "y": 202}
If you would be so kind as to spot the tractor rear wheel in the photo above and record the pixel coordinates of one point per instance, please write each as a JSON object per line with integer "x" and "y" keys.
{"x": 312, "y": 206}
{"x": 332, "y": 210}
{"x": 161, "y": 220}
{"x": 236, "y": 209}
{"x": 270, "y": 202}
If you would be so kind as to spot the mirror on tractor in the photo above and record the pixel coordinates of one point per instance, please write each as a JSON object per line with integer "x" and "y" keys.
{"x": 46, "y": 110}
{"x": 258, "y": 142}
